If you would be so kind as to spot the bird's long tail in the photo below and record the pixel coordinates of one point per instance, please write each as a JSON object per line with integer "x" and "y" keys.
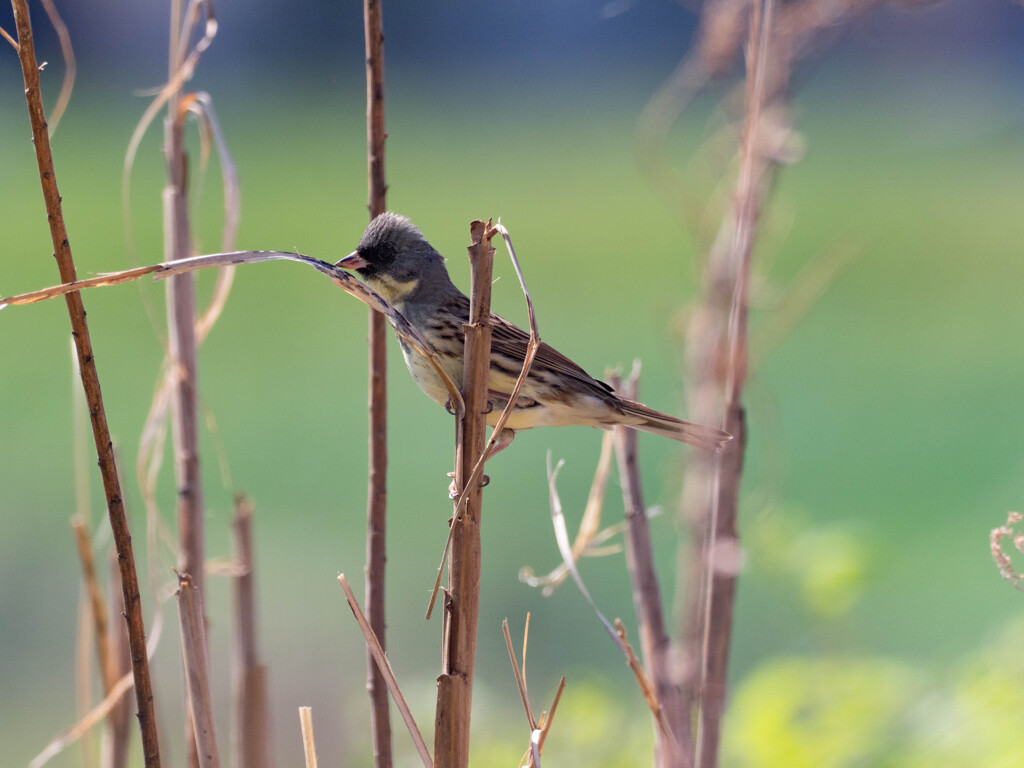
{"x": 639, "y": 416}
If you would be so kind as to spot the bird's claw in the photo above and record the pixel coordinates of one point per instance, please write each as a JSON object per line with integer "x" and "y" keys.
{"x": 453, "y": 489}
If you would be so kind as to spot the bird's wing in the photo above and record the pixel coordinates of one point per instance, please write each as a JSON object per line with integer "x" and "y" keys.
{"x": 510, "y": 341}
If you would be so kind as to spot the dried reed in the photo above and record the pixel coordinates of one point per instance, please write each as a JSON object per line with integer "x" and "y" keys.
{"x": 90, "y": 382}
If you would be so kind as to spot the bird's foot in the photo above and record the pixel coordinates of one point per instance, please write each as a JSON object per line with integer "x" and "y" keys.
{"x": 453, "y": 489}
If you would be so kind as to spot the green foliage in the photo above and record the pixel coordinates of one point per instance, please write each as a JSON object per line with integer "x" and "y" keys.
{"x": 847, "y": 712}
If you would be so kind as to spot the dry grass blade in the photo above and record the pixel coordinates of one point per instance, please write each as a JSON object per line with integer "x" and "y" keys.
{"x": 64, "y": 289}
{"x": 589, "y": 534}
{"x": 181, "y": 72}
{"x": 385, "y": 667}
{"x": 617, "y": 632}
{"x": 197, "y": 675}
{"x": 68, "y": 737}
{"x": 337, "y": 275}
{"x": 520, "y": 673}
{"x": 531, "y": 352}
{"x": 308, "y": 742}
{"x": 201, "y": 105}
{"x": 565, "y": 549}
{"x": 549, "y": 717}
{"x": 94, "y": 717}
{"x": 651, "y": 697}
{"x": 538, "y": 730}
{"x": 70, "y": 67}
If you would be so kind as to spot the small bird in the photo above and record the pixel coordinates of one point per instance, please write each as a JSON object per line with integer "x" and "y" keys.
{"x": 396, "y": 261}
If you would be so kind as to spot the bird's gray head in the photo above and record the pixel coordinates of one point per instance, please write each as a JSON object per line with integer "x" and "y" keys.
{"x": 395, "y": 258}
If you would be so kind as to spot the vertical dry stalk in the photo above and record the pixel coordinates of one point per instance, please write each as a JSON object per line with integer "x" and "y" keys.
{"x": 181, "y": 315}
{"x": 114, "y": 747}
{"x": 91, "y": 384}
{"x": 462, "y": 601}
{"x": 654, "y": 640}
{"x": 249, "y": 747}
{"x": 181, "y": 338}
{"x": 308, "y": 742}
{"x": 97, "y": 604}
{"x": 197, "y": 672}
{"x": 717, "y": 357}
{"x": 376, "y": 502}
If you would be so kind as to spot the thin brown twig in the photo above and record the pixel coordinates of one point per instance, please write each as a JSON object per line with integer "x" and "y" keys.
{"x": 197, "y": 672}
{"x": 520, "y": 674}
{"x": 90, "y": 382}
{"x": 376, "y": 493}
{"x": 654, "y": 640}
{"x": 389, "y": 675}
{"x": 549, "y": 717}
{"x": 250, "y": 747}
{"x": 114, "y": 746}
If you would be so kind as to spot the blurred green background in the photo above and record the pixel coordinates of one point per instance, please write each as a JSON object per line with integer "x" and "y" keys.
{"x": 872, "y": 626}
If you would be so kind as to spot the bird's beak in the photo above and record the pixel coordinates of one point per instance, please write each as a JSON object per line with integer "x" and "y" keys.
{"x": 352, "y": 261}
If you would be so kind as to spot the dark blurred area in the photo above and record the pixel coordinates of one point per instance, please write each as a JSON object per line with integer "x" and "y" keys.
{"x": 316, "y": 44}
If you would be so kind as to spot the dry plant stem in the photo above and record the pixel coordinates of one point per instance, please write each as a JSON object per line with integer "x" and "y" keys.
{"x": 376, "y": 501}
{"x": 181, "y": 314}
{"x": 308, "y": 742}
{"x": 496, "y": 433}
{"x": 462, "y": 601}
{"x": 388, "y": 674}
{"x": 91, "y": 384}
{"x": 654, "y": 640}
{"x": 114, "y": 747}
{"x": 83, "y": 673}
{"x": 181, "y": 343}
{"x": 520, "y": 673}
{"x": 197, "y": 673}
{"x": 97, "y": 604}
{"x": 337, "y": 275}
{"x": 249, "y": 746}
{"x": 721, "y": 542}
